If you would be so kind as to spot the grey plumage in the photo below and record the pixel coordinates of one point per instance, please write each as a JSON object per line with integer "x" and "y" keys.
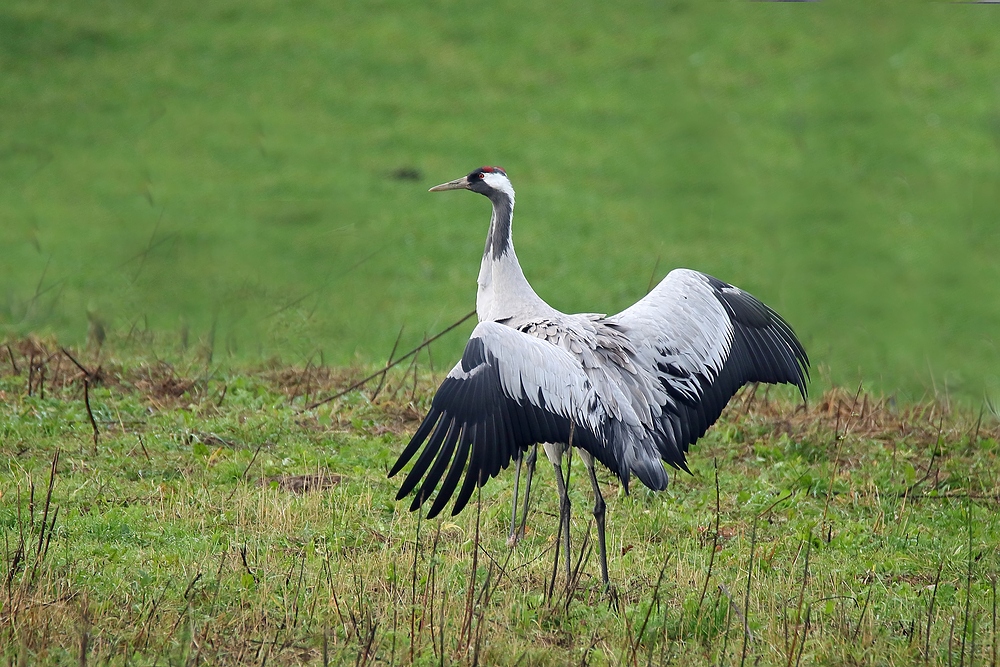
{"x": 633, "y": 390}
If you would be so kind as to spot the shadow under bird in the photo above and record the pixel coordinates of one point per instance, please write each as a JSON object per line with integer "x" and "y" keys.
{"x": 632, "y": 390}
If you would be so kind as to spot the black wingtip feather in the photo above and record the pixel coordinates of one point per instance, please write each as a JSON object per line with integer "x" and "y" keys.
{"x": 475, "y": 463}
{"x": 440, "y": 464}
{"x": 418, "y": 438}
{"x": 426, "y": 456}
{"x": 454, "y": 473}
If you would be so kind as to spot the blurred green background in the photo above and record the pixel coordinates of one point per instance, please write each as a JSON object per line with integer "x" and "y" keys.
{"x": 253, "y": 173}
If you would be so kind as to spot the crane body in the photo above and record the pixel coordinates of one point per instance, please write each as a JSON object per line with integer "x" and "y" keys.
{"x": 632, "y": 390}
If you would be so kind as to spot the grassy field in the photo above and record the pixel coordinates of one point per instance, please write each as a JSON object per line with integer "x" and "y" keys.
{"x": 159, "y": 513}
{"x": 221, "y": 208}
{"x": 251, "y": 176}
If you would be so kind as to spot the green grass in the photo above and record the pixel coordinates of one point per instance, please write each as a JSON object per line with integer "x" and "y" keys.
{"x": 222, "y": 172}
{"x": 175, "y": 538}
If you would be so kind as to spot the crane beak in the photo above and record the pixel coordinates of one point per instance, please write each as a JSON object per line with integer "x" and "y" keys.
{"x": 457, "y": 184}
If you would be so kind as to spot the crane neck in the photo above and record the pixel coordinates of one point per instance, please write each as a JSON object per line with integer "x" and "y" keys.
{"x": 504, "y": 292}
{"x": 499, "y": 240}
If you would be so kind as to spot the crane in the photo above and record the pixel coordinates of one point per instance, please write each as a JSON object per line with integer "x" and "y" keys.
{"x": 632, "y": 390}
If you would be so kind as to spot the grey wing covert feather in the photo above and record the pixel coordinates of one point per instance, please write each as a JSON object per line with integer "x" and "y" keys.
{"x": 703, "y": 339}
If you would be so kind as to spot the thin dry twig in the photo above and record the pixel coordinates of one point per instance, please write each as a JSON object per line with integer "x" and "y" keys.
{"x": 245, "y": 471}
{"x": 388, "y": 364}
{"x": 90, "y": 411}
{"x": 398, "y": 361}
{"x": 88, "y": 375}
{"x": 715, "y": 536}
{"x": 13, "y": 364}
{"x": 736, "y": 610}
{"x": 747, "y": 637}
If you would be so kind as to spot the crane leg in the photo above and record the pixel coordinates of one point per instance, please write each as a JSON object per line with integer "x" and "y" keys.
{"x": 554, "y": 454}
{"x": 517, "y": 532}
{"x": 532, "y": 457}
{"x": 512, "y": 537}
{"x": 599, "y": 508}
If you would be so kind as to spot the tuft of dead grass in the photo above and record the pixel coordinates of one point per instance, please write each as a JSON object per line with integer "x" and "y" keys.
{"x": 841, "y": 412}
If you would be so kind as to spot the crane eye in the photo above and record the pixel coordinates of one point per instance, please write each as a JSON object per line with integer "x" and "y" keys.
{"x": 482, "y": 175}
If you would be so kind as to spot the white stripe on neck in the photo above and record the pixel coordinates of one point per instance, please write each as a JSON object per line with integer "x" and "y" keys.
{"x": 498, "y": 181}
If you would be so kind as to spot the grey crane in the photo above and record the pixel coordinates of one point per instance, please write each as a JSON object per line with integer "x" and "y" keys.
{"x": 632, "y": 390}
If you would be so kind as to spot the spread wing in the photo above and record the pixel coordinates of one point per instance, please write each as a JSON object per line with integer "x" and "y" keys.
{"x": 509, "y": 391}
{"x": 703, "y": 339}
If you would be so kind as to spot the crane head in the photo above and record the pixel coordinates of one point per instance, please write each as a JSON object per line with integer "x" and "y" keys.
{"x": 488, "y": 181}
